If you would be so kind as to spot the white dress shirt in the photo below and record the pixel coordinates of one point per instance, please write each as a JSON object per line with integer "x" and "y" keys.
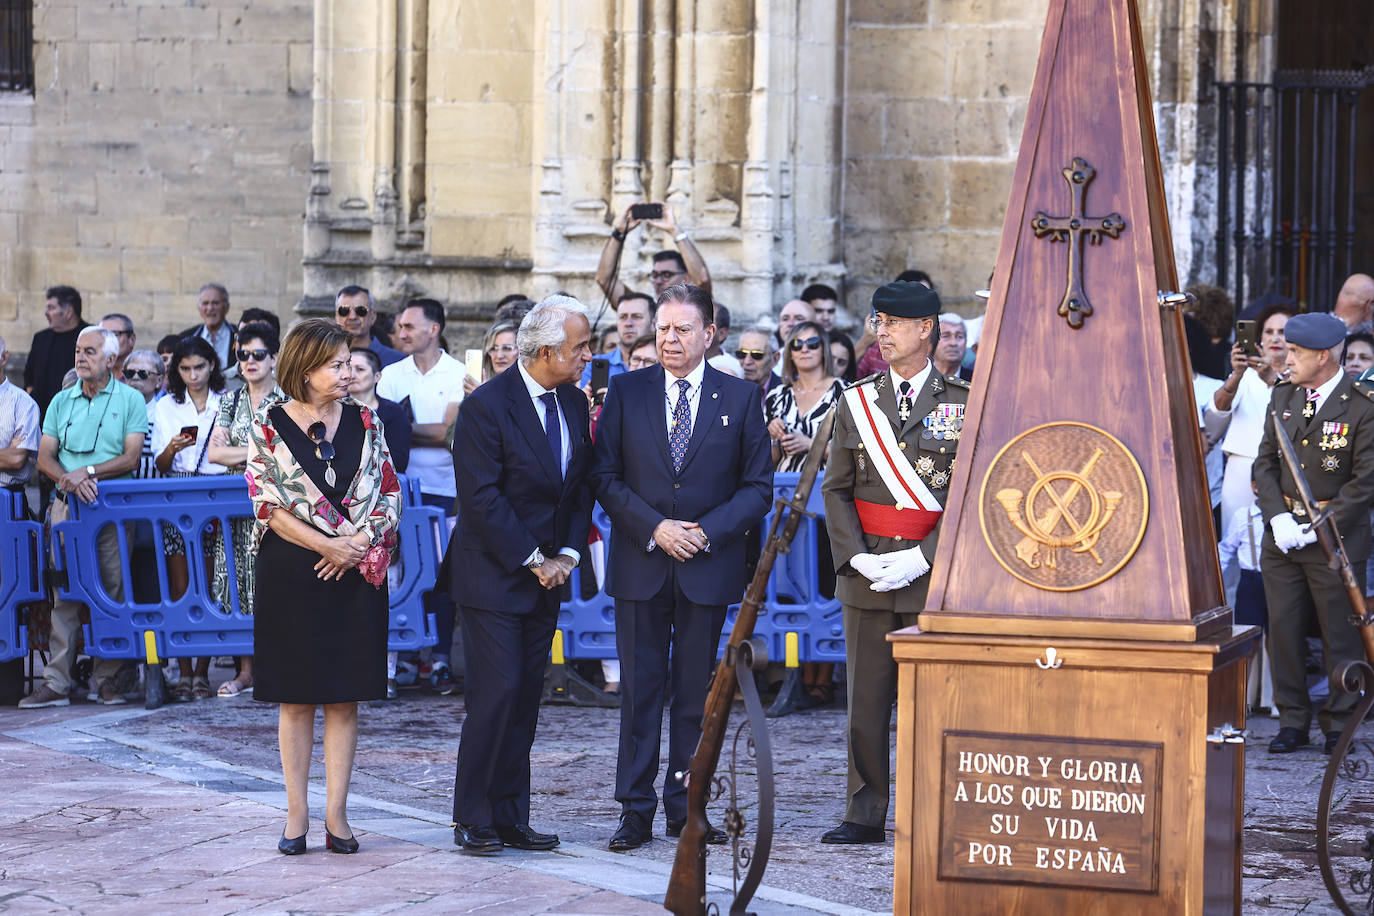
{"x": 169, "y": 417}
{"x": 671, "y": 392}
{"x": 1325, "y": 388}
{"x": 537, "y": 391}
{"x": 916, "y": 381}
{"x": 430, "y": 394}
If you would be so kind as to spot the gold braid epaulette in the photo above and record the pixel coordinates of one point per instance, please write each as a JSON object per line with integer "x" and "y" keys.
{"x": 865, "y": 381}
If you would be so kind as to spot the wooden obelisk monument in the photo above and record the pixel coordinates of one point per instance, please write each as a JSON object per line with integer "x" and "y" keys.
{"x": 1062, "y": 705}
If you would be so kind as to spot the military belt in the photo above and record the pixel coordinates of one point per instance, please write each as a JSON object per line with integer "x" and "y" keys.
{"x": 1296, "y": 507}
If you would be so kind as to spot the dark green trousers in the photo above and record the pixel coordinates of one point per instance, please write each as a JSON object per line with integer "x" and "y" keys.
{"x": 872, "y": 688}
{"x": 1297, "y": 585}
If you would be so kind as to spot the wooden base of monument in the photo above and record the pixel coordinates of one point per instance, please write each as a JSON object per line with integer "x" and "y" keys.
{"x": 1069, "y": 775}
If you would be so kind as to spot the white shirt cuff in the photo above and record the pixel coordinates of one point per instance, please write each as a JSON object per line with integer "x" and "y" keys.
{"x": 569, "y": 552}
{"x": 530, "y": 559}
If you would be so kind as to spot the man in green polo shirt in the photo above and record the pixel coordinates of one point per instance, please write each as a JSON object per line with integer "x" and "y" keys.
{"x": 92, "y": 431}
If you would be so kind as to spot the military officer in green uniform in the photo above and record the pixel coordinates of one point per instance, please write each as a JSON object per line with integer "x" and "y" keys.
{"x": 891, "y": 456}
{"x": 1330, "y": 419}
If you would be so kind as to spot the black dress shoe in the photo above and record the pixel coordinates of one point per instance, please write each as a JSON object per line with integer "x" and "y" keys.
{"x": 1331, "y": 740}
{"x": 292, "y": 847}
{"x": 714, "y": 835}
{"x": 850, "y": 833}
{"x": 345, "y": 845}
{"x": 476, "y": 838}
{"x": 520, "y": 836}
{"x": 633, "y": 832}
{"x": 1288, "y": 740}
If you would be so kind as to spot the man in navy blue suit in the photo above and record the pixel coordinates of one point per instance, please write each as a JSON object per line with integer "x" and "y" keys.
{"x": 522, "y": 453}
{"x": 683, "y": 470}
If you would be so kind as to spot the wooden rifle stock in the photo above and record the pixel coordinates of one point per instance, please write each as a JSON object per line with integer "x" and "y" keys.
{"x": 687, "y": 884}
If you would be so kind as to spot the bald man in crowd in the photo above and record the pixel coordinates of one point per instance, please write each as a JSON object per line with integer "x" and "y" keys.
{"x": 1355, "y": 303}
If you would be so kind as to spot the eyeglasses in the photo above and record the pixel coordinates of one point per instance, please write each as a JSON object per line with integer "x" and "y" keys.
{"x": 502, "y": 348}
{"x": 660, "y": 275}
{"x": 324, "y": 449}
{"x": 359, "y": 311}
{"x": 876, "y": 324}
{"x": 257, "y": 356}
{"x": 750, "y": 354}
{"x": 810, "y": 343}
{"x": 141, "y": 374}
{"x": 639, "y": 362}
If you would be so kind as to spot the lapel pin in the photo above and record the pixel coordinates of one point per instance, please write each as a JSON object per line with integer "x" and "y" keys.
{"x": 714, "y": 395}
{"x": 724, "y": 419}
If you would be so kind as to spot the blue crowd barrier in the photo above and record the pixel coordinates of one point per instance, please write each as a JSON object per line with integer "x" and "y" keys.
{"x": 794, "y": 602}
{"x": 200, "y": 509}
{"x": 21, "y": 576}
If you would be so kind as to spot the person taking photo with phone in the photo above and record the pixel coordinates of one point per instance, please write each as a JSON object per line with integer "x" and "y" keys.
{"x": 685, "y": 265}
{"x": 1241, "y": 402}
{"x": 182, "y": 423}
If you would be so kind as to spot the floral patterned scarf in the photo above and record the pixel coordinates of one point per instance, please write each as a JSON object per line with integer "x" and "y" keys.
{"x": 277, "y": 481}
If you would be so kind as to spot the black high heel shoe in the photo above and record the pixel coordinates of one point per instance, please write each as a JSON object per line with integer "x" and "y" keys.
{"x": 292, "y": 847}
{"x": 337, "y": 844}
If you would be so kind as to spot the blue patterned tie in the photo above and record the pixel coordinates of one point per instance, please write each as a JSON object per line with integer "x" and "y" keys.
{"x": 681, "y": 433}
{"x": 552, "y": 430}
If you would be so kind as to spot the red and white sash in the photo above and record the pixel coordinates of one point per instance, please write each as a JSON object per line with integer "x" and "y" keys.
{"x": 880, "y": 441}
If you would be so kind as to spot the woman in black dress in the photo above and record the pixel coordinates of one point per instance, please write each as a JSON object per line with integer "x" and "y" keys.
{"x": 326, "y": 500}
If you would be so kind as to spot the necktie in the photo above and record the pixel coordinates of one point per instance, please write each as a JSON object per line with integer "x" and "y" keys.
{"x": 681, "y": 433}
{"x": 552, "y": 430}
{"x": 904, "y": 405}
{"x": 1309, "y": 410}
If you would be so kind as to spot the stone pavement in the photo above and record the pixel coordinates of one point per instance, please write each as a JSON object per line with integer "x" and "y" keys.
{"x": 113, "y": 809}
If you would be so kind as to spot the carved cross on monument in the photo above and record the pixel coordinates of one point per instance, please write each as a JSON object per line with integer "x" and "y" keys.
{"x": 1075, "y": 305}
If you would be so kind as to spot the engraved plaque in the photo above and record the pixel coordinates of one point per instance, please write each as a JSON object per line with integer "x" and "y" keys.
{"x": 1063, "y": 506}
{"x": 1025, "y": 809}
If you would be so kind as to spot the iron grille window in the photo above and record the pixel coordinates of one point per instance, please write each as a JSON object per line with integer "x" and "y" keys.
{"x": 16, "y": 45}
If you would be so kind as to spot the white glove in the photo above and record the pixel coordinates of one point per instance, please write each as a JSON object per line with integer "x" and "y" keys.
{"x": 1288, "y": 534}
{"x": 902, "y": 568}
{"x": 868, "y": 565}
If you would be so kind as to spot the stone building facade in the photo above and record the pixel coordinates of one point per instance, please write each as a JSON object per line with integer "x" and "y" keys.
{"x": 465, "y": 150}
{"x": 165, "y": 145}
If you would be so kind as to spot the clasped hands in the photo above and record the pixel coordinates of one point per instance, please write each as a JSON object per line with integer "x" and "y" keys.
{"x": 339, "y": 555}
{"x": 1288, "y": 534}
{"x": 78, "y": 483}
{"x": 890, "y": 571}
{"x": 791, "y": 443}
{"x": 554, "y": 571}
{"x": 679, "y": 540}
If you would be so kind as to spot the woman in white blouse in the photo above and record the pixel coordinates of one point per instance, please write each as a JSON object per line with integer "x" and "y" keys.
{"x": 194, "y": 385}
{"x": 1242, "y": 404}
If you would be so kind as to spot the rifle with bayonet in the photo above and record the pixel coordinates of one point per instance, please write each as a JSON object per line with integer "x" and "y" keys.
{"x": 687, "y": 884}
{"x": 1323, "y": 524}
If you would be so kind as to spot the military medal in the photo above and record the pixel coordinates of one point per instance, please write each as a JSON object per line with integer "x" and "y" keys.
{"x": 1330, "y": 463}
{"x": 939, "y": 480}
{"x": 925, "y": 465}
{"x": 1309, "y": 410}
{"x": 904, "y": 409}
{"x": 859, "y": 460}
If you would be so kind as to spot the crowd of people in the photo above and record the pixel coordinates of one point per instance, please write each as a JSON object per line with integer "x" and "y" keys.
{"x": 562, "y": 409}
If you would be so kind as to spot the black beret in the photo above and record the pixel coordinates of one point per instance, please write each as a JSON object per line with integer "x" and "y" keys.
{"x": 906, "y": 299}
{"x": 1315, "y": 331}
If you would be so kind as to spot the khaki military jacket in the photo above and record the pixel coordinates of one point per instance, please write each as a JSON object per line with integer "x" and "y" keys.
{"x": 1335, "y": 448}
{"x": 929, "y": 439}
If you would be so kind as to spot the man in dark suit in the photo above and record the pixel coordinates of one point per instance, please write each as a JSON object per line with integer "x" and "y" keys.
{"x": 683, "y": 470}
{"x": 522, "y": 453}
